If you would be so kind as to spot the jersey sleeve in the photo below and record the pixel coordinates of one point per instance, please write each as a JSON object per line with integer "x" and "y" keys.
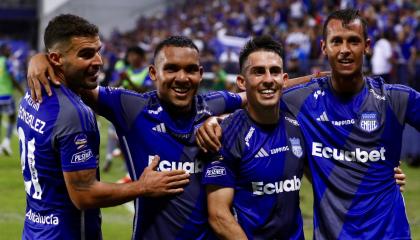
{"x": 109, "y": 104}
{"x": 412, "y": 115}
{"x": 78, "y": 151}
{"x": 220, "y": 172}
{"x": 223, "y": 102}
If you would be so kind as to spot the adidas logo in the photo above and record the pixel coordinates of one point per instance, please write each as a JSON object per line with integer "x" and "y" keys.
{"x": 160, "y": 128}
{"x": 261, "y": 153}
{"x": 323, "y": 117}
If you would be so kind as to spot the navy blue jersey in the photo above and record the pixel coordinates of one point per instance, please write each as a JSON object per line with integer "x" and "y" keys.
{"x": 146, "y": 129}
{"x": 59, "y": 135}
{"x": 264, "y": 165}
{"x": 353, "y": 146}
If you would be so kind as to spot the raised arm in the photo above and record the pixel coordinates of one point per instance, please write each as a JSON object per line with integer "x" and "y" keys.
{"x": 221, "y": 219}
{"x": 87, "y": 192}
{"x": 304, "y": 79}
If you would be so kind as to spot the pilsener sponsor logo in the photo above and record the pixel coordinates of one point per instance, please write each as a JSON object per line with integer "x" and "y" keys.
{"x": 190, "y": 167}
{"x": 215, "y": 171}
{"x": 289, "y": 185}
{"x": 358, "y": 155}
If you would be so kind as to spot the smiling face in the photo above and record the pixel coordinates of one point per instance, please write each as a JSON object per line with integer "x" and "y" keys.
{"x": 262, "y": 78}
{"x": 345, "y": 46}
{"x": 79, "y": 62}
{"x": 177, "y": 73}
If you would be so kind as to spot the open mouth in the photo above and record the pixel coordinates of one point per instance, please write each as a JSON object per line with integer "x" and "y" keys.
{"x": 181, "y": 90}
{"x": 267, "y": 92}
{"x": 345, "y": 61}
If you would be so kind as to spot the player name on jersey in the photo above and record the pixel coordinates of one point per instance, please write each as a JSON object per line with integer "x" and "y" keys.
{"x": 34, "y": 123}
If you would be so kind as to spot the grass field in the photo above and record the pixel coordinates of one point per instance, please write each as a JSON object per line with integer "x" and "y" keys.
{"x": 117, "y": 221}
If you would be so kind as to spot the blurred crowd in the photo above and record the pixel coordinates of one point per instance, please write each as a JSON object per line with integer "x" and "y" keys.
{"x": 220, "y": 28}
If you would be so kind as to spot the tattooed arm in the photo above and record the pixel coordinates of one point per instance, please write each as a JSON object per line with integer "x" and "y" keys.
{"x": 87, "y": 192}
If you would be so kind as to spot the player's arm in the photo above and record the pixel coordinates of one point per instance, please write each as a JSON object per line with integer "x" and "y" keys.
{"x": 400, "y": 177}
{"x": 221, "y": 219}
{"x": 87, "y": 192}
{"x": 41, "y": 74}
{"x": 299, "y": 80}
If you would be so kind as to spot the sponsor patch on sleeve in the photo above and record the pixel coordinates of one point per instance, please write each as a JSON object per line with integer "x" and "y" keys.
{"x": 82, "y": 156}
{"x": 216, "y": 171}
{"x": 80, "y": 141}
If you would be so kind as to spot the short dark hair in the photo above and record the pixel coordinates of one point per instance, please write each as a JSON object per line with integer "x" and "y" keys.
{"x": 65, "y": 26}
{"x": 137, "y": 50}
{"x": 260, "y": 43}
{"x": 175, "y": 41}
{"x": 346, "y": 16}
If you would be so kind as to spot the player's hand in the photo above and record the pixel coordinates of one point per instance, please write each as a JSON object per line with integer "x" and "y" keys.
{"x": 400, "y": 178}
{"x": 209, "y": 134}
{"x": 39, "y": 71}
{"x": 155, "y": 184}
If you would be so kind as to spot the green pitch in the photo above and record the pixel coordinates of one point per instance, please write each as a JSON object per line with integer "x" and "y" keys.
{"x": 117, "y": 221}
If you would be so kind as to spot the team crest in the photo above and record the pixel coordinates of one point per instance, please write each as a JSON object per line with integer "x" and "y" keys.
{"x": 296, "y": 147}
{"x": 369, "y": 121}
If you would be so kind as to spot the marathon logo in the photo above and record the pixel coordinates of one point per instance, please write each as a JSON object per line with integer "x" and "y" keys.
{"x": 38, "y": 218}
{"x": 216, "y": 171}
{"x": 190, "y": 167}
{"x": 358, "y": 155}
{"x": 82, "y": 156}
{"x": 289, "y": 185}
{"x": 80, "y": 141}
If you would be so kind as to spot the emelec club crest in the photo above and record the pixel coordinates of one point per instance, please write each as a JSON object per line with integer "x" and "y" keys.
{"x": 296, "y": 147}
{"x": 369, "y": 121}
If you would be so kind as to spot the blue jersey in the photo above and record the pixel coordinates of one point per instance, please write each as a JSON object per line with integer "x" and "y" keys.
{"x": 59, "y": 135}
{"x": 145, "y": 129}
{"x": 353, "y": 146}
{"x": 264, "y": 165}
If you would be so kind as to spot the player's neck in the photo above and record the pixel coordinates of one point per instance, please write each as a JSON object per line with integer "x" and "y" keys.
{"x": 264, "y": 115}
{"x": 347, "y": 85}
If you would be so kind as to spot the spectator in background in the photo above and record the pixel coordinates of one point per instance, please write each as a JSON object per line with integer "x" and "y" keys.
{"x": 7, "y": 102}
{"x": 133, "y": 71}
{"x": 383, "y": 57}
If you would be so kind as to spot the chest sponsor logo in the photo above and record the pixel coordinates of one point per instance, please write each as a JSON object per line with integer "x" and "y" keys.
{"x": 249, "y": 135}
{"x": 377, "y": 96}
{"x": 296, "y": 147}
{"x": 41, "y": 219}
{"x": 369, "y": 121}
{"x": 357, "y": 155}
{"x": 80, "y": 141}
{"x": 155, "y": 112}
{"x": 82, "y": 156}
{"x": 215, "y": 171}
{"x": 190, "y": 167}
{"x": 288, "y": 185}
{"x": 292, "y": 121}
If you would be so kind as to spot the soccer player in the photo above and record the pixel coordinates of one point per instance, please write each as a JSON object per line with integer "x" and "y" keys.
{"x": 59, "y": 145}
{"x": 7, "y": 102}
{"x": 352, "y": 125}
{"x": 161, "y": 122}
{"x": 253, "y": 192}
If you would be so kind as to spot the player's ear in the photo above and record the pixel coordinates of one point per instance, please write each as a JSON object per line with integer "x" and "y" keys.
{"x": 152, "y": 72}
{"x": 367, "y": 46}
{"x": 55, "y": 58}
{"x": 201, "y": 73}
{"x": 240, "y": 82}
{"x": 323, "y": 47}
